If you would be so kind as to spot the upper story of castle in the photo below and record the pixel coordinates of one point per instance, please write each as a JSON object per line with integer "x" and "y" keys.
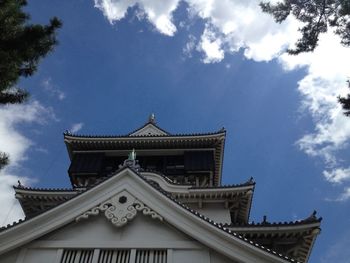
{"x": 195, "y": 159}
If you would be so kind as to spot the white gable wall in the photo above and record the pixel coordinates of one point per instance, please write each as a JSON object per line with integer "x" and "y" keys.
{"x": 148, "y": 130}
{"x": 143, "y": 232}
{"x": 97, "y": 230}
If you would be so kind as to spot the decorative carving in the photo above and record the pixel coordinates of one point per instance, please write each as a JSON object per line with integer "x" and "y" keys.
{"x": 131, "y": 161}
{"x": 120, "y": 209}
{"x": 146, "y": 210}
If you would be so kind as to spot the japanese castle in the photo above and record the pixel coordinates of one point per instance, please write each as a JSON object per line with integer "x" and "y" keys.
{"x": 149, "y": 197}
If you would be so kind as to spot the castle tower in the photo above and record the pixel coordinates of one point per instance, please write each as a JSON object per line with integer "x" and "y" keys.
{"x": 149, "y": 196}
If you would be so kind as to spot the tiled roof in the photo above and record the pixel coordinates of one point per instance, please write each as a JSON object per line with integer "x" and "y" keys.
{"x": 67, "y": 133}
{"x": 166, "y": 178}
{"x": 248, "y": 183}
{"x": 15, "y": 223}
{"x": 44, "y": 189}
{"x": 306, "y": 221}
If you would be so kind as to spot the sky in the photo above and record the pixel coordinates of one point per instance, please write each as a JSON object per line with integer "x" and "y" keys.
{"x": 198, "y": 65}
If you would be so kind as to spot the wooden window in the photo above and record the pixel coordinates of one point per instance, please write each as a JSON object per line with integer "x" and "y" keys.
{"x": 114, "y": 256}
{"x": 151, "y": 256}
{"x": 77, "y": 256}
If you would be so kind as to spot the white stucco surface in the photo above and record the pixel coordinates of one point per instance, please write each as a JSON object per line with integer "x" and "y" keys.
{"x": 97, "y": 232}
{"x": 214, "y": 211}
{"x": 9, "y": 257}
{"x": 97, "y": 229}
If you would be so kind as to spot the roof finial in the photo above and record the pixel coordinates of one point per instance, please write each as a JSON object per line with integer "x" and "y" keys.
{"x": 152, "y": 118}
{"x": 131, "y": 161}
{"x": 132, "y": 155}
{"x": 264, "y": 219}
{"x": 19, "y": 184}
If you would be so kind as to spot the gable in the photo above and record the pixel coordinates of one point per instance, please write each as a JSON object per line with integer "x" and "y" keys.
{"x": 96, "y": 231}
{"x": 142, "y": 234}
{"x": 105, "y": 202}
{"x": 149, "y": 130}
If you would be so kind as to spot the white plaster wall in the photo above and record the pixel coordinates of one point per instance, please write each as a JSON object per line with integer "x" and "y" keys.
{"x": 98, "y": 232}
{"x": 40, "y": 255}
{"x": 97, "y": 229}
{"x": 217, "y": 258}
{"x": 199, "y": 256}
{"x": 192, "y": 256}
{"x": 216, "y": 212}
{"x": 9, "y": 257}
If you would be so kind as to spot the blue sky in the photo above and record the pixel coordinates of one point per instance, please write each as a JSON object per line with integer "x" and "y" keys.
{"x": 199, "y": 66}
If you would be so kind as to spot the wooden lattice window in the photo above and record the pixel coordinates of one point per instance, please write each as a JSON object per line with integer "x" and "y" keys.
{"x": 151, "y": 256}
{"x": 114, "y": 256}
{"x": 77, "y": 256}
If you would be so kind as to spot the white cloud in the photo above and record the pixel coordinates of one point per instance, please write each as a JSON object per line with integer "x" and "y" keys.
{"x": 16, "y": 145}
{"x": 211, "y": 46}
{"x": 338, "y": 175}
{"x": 13, "y": 142}
{"x": 10, "y": 210}
{"x": 345, "y": 195}
{"x": 327, "y": 71}
{"x": 241, "y": 24}
{"x": 76, "y": 127}
{"x": 52, "y": 89}
{"x": 233, "y": 25}
{"x": 190, "y": 46}
{"x": 159, "y": 13}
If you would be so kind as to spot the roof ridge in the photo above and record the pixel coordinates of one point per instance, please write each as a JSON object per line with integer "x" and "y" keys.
{"x": 247, "y": 183}
{"x": 279, "y": 223}
{"x": 224, "y": 186}
{"x": 21, "y": 187}
{"x": 68, "y": 133}
{"x": 166, "y": 178}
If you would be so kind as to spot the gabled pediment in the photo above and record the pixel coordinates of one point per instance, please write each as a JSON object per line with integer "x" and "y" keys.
{"x": 149, "y": 129}
{"x": 127, "y": 195}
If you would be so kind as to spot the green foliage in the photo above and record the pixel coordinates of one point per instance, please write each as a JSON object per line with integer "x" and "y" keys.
{"x": 317, "y": 17}
{"x": 22, "y": 45}
{"x": 345, "y": 102}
